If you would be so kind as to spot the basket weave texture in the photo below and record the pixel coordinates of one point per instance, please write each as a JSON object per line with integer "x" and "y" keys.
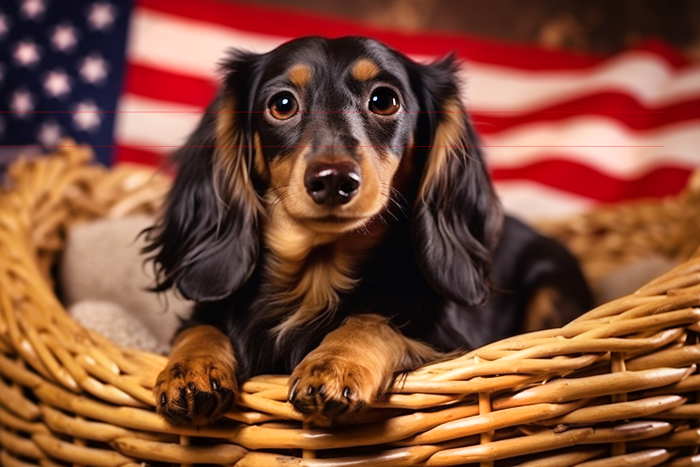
{"x": 618, "y": 386}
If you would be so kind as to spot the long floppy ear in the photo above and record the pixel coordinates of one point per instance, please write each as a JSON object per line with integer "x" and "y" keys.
{"x": 206, "y": 242}
{"x": 457, "y": 217}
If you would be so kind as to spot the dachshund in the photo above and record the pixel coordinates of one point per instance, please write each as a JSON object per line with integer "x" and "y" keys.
{"x": 333, "y": 218}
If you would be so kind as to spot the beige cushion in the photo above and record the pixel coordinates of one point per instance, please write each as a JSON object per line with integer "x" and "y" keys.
{"x": 102, "y": 262}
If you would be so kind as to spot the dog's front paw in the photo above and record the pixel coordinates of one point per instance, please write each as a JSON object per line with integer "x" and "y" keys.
{"x": 195, "y": 391}
{"x": 325, "y": 388}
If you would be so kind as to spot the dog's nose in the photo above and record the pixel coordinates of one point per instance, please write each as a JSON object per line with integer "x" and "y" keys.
{"x": 332, "y": 183}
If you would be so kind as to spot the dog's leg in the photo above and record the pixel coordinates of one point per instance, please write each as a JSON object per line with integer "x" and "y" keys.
{"x": 353, "y": 366}
{"x": 198, "y": 385}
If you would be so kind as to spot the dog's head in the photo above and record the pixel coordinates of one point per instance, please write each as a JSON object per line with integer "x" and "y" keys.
{"x": 328, "y": 135}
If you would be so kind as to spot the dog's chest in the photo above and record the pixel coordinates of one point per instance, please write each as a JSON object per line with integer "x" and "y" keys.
{"x": 310, "y": 285}
{"x": 306, "y": 274}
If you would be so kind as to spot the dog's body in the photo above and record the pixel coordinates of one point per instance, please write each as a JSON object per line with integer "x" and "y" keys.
{"x": 333, "y": 217}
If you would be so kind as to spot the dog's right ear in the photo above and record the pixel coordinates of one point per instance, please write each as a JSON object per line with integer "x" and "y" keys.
{"x": 206, "y": 242}
{"x": 457, "y": 217}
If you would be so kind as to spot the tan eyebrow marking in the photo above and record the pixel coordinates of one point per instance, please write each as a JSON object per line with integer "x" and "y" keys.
{"x": 299, "y": 75}
{"x": 365, "y": 70}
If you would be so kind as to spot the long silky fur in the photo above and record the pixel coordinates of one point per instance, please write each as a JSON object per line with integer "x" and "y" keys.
{"x": 457, "y": 216}
{"x": 206, "y": 243}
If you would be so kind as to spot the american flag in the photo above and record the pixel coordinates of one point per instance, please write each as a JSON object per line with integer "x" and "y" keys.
{"x": 61, "y": 70}
{"x": 562, "y": 131}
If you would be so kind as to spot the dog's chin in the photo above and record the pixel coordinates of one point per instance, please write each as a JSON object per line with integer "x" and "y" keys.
{"x": 334, "y": 224}
{"x": 332, "y": 220}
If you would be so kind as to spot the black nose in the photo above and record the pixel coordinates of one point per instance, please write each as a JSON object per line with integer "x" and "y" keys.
{"x": 332, "y": 183}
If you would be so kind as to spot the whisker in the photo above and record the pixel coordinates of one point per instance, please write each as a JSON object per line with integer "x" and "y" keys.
{"x": 276, "y": 202}
{"x": 396, "y": 199}
{"x": 388, "y": 211}
{"x": 381, "y": 218}
{"x": 366, "y": 231}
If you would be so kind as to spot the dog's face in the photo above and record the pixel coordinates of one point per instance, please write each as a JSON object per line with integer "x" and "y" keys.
{"x": 331, "y": 123}
{"x": 327, "y": 134}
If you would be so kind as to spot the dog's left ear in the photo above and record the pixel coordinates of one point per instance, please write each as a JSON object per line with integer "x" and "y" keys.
{"x": 457, "y": 216}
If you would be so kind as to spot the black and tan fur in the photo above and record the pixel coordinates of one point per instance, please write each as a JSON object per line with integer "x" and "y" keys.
{"x": 407, "y": 257}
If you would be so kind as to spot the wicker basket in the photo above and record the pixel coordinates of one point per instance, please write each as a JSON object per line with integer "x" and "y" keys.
{"x": 615, "y": 387}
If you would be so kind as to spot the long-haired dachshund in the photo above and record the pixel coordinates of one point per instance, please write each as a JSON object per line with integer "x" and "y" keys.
{"x": 332, "y": 216}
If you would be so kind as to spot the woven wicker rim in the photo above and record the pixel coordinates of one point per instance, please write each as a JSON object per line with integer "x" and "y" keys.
{"x": 616, "y": 386}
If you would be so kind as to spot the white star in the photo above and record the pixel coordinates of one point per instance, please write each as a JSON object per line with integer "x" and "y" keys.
{"x": 93, "y": 69}
{"x": 32, "y": 9}
{"x": 64, "y": 37}
{"x": 26, "y": 53}
{"x": 86, "y": 116}
{"x": 101, "y": 15}
{"x": 4, "y": 25}
{"x": 22, "y": 103}
{"x": 50, "y": 133}
{"x": 57, "y": 84}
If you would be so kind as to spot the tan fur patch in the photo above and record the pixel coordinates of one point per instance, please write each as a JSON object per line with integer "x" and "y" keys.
{"x": 377, "y": 176}
{"x": 260, "y": 164}
{"x": 541, "y": 311}
{"x": 308, "y": 269}
{"x": 311, "y": 283}
{"x": 448, "y": 136}
{"x": 365, "y": 70}
{"x": 299, "y": 75}
{"x": 354, "y": 365}
{"x": 282, "y": 171}
{"x": 231, "y": 171}
{"x": 200, "y": 340}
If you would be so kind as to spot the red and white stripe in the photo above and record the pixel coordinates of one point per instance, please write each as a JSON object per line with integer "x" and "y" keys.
{"x": 561, "y": 131}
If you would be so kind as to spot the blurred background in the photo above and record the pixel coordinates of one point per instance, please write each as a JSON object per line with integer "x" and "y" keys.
{"x": 579, "y": 103}
{"x": 600, "y": 26}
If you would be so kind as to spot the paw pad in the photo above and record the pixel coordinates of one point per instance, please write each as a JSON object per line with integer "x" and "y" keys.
{"x": 329, "y": 389}
{"x": 194, "y": 393}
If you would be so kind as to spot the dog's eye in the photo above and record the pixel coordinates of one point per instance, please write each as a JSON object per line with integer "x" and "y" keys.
{"x": 383, "y": 101}
{"x": 283, "y": 106}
